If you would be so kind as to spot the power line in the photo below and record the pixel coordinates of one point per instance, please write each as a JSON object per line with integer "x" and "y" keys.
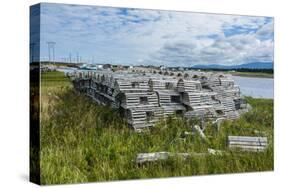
{"x": 70, "y": 57}
{"x": 77, "y": 54}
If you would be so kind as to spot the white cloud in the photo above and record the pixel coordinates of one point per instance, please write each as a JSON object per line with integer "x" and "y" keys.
{"x": 134, "y": 36}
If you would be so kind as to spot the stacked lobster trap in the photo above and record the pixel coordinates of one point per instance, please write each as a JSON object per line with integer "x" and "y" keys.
{"x": 144, "y": 98}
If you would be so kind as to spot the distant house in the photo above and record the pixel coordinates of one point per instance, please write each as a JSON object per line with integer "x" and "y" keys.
{"x": 99, "y": 66}
{"x": 107, "y": 66}
{"x": 118, "y": 67}
{"x": 162, "y": 67}
{"x": 88, "y": 67}
{"x": 181, "y": 69}
{"x": 92, "y": 67}
{"x": 83, "y": 66}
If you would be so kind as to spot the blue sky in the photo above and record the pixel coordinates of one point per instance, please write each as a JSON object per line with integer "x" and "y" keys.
{"x": 136, "y": 36}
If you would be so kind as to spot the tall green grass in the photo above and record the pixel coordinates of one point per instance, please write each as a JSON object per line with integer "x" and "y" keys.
{"x": 83, "y": 142}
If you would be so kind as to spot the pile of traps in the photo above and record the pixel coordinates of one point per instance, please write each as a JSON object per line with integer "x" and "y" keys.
{"x": 144, "y": 98}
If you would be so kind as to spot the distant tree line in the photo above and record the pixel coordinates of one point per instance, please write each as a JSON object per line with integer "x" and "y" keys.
{"x": 238, "y": 70}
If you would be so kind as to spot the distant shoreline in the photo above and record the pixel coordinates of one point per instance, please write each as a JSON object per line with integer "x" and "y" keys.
{"x": 252, "y": 74}
{"x": 245, "y": 74}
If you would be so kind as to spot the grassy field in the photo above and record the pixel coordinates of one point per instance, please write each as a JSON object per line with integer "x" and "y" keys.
{"x": 83, "y": 142}
{"x": 253, "y": 74}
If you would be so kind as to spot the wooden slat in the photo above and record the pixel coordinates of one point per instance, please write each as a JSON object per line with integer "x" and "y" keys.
{"x": 247, "y": 143}
{"x": 247, "y": 138}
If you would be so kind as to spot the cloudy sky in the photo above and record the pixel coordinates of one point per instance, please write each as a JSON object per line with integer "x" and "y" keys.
{"x": 136, "y": 36}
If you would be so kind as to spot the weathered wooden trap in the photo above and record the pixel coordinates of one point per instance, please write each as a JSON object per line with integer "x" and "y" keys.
{"x": 247, "y": 143}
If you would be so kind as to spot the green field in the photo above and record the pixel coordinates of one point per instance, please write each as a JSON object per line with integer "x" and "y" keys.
{"x": 253, "y": 74}
{"x": 83, "y": 142}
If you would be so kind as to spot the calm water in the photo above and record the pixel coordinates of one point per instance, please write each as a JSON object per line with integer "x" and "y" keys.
{"x": 255, "y": 87}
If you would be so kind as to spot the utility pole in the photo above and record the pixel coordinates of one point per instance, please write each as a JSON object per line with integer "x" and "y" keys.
{"x": 77, "y": 56}
{"x": 51, "y": 50}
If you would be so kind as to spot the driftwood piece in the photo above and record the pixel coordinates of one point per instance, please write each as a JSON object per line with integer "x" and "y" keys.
{"x": 247, "y": 143}
{"x": 200, "y": 132}
{"x": 158, "y": 156}
{"x": 149, "y": 157}
{"x": 218, "y": 122}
